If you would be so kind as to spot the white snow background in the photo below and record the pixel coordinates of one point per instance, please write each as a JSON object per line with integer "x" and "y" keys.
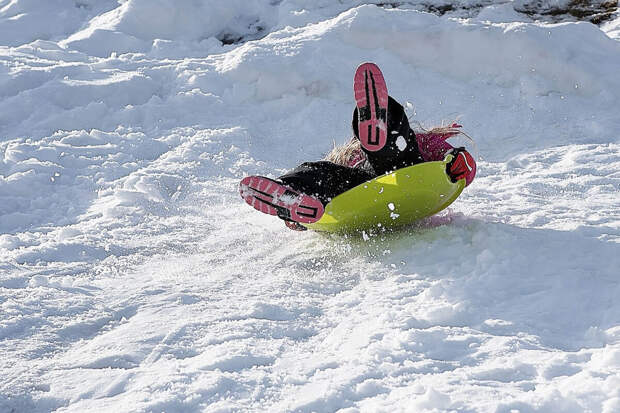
{"x": 133, "y": 278}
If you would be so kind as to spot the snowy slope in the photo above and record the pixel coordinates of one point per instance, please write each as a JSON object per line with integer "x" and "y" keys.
{"x": 133, "y": 278}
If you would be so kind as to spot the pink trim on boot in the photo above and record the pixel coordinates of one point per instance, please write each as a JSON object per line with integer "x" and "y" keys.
{"x": 273, "y": 198}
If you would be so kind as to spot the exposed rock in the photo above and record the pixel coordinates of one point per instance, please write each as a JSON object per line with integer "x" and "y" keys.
{"x": 595, "y": 11}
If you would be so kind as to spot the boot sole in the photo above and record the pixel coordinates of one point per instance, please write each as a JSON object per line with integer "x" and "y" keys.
{"x": 273, "y": 198}
{"x": 371, "y": 97}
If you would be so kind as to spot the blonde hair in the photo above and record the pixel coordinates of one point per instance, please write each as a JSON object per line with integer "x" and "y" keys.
{"x": 451, "y": 130}
{"x": 342, "y": 154}
{"x": 439, "y": 130}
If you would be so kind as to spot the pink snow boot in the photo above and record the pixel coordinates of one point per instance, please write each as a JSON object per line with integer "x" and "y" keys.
{"x": 273, "y": 198}
{"x": 371, "y": 97}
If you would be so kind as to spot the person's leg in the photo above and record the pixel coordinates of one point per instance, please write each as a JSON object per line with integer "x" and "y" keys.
{"x": 324, "y": 180}
{"x": 301, "y": 195}
{"x": 397, "y": 125}
{"x": 399, "y": 148}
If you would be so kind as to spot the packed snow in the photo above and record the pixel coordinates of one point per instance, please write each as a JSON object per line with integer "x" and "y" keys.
{"x": 133, "y": 278}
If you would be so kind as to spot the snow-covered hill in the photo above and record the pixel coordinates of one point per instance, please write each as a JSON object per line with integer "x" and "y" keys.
{"x": 133, "y": 278}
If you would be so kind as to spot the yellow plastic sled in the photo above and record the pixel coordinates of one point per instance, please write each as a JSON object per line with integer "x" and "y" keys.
{"x": 395, "y": 199}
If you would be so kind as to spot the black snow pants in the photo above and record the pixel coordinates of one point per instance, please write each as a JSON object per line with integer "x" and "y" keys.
{"x": 325, "y": 180}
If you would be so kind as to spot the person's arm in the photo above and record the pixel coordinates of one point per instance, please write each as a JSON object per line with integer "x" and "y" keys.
{"x": 433, "y": 147}
{"x": 462, "y": 166}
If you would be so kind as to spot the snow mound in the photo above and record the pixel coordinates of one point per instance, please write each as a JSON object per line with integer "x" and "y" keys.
{"x": 135, "y": 24}
{"x": 25, "y": 21}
